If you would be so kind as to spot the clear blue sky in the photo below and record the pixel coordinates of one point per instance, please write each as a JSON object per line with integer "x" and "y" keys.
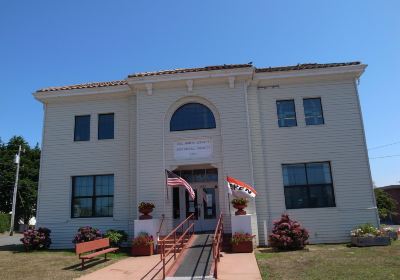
{"x": 52, "y": 43}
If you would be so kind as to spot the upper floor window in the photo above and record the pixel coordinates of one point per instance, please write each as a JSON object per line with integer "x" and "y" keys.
{"x": 286, "y": 113}
{"x": 192, "y": 116}
{"x": 308, "y": 185}
{"x": 82, "y": 128}
{"x": 106, "y": 126}
{"x": 313, "y": 111}
{"x": 92, "y": 196}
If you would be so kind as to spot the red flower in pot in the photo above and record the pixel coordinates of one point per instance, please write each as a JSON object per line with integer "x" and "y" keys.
{"x": 240, "y": 204}
{"x": 142, "y": 245}
{"x": 145, "y": 208}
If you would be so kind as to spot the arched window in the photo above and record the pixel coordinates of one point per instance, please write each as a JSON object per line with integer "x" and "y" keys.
{"x": 192, "y": 116}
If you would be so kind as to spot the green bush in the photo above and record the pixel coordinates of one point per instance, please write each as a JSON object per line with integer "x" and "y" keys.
{"x": 4, "y": 222}
{"x": 116, "y": 237}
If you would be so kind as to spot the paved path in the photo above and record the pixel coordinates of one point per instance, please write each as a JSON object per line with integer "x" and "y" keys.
{"x": 197, "y": 258}
{"x": 6, "y": 239}
{"x": 129, "y": 268}
{"x": 238, "y": 267}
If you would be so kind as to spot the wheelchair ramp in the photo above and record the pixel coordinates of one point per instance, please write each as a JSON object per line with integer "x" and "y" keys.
{"x": 197, "y": 259}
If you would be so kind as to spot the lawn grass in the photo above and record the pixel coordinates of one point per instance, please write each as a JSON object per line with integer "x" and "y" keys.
{"x": 331, "y": 262}
{"x": 15, "y": 263}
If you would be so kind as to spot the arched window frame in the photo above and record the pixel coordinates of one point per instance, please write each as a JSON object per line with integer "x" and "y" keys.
{"x": 210, "y": 122}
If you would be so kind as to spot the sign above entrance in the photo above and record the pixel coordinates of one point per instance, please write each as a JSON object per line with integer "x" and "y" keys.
{"x": 194, "y": 148}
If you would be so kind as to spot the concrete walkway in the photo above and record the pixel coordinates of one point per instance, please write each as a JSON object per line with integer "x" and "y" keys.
{"x": 129, "y": 268}
{"x": 6, "y": 239}
{"x": 238, "y": 267}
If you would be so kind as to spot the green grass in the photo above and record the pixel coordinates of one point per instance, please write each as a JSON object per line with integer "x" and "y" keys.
{"x": 15, "y": 263}
{"x": 331, "y": 262}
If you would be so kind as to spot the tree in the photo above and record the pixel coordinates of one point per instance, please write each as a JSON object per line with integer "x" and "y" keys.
{"x": 385, "y": 203}
{"x": 28, "y": 182}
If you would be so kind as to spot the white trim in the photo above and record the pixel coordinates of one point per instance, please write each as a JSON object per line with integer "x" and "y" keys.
{"x": 231, "y": 81}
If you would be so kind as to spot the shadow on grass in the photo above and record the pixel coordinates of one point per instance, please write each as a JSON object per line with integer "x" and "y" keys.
{"x": 88, "y": 264}
{"x": 274, "y": 250}
{"x": 13, "y": 248}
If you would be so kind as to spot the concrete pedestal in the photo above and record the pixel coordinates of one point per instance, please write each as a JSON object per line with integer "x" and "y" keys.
{"x": 243, "y": 224}
{"x": 151, "y": 227}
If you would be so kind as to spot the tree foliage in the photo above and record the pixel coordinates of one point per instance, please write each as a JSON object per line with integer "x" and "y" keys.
{"x": 28, "y": 178}
{"x": 385, "y": 203}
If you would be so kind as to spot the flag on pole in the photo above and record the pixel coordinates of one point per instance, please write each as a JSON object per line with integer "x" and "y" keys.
{"x": 239, "y": 189}
{"x": 174, "y": 180}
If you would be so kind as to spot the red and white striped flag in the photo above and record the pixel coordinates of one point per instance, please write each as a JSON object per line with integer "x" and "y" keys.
{"x": 174, "y": 180}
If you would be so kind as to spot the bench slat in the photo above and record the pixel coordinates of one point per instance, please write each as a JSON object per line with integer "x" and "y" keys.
{"x": 92, "y": 255}
{"x": 92, "y": 245}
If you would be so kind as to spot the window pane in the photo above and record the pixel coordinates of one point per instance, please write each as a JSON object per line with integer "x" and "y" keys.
{"x": 321, "y": 196}
{"x": 104, "y": 206}
{"x": 83, "y": 186}
{"x": 296, "y": 197}
{"x": 319, "y": 173}
{"x": 212, "y": 175}
{"x": 82, "y": 207}
{"x": 106, "y": 126}
{"x": 313, "y": 111}
{"x": 294, "y": 174}
{"x": 82, "y": 128}
{"x": 209, "y": 207}
{"x": 187, "y": 175}
{"x": 286, "y": 113}
{"x": 199, "y": 175}
{"x": 105, "y": 185}
{"x": 192, "y": 116}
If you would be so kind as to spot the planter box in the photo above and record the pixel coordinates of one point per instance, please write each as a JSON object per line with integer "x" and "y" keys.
{"x": 242, "y": 247}
{"x": 370, "y": 241}
{"x": 142, "y": 250}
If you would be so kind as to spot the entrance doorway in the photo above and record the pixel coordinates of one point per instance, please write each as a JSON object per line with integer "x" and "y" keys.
{"x": 204, "y": 206}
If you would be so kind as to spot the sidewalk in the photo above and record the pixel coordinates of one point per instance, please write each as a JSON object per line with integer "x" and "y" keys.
{"x": 238, "y": 266}
{"x": 129, "y": 268}
{"x": 6, "y": 239}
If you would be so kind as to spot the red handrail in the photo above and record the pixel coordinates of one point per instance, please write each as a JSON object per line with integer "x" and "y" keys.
{"x": 189, "y": 231}
{"x": 217, "y": 243}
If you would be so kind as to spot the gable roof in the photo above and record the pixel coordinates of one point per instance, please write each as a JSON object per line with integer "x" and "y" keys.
{"x": 297, "y": 67}
{"x": 390, "y": 187}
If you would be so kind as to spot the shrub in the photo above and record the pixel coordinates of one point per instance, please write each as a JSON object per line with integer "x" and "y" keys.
{"x": 239, "y": 201}
{"x": 87, "y": 234}
{"x": 288, "y": 234}
{"x": 36, "y": 239}
{"x": 146, "y": 205}
{"x": 143, "y": 239}
{"x": 4, "y": 222}
{"x": 116, "y": 237}
{"x": 241, "y": 237}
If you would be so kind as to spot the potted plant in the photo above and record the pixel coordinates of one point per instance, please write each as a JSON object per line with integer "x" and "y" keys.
{"x": 367, "y": 235}
{"x": 240, "y": 204}
{"x": 143, "y": 245}
{"x": 242, "y": 242}
{"x": 145, "y": 208}
{"x": 390, "y": 231}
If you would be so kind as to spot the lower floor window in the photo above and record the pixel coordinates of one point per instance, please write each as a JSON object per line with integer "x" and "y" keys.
{"x": 308, "y": 185}
{"x": 92, "y": 196}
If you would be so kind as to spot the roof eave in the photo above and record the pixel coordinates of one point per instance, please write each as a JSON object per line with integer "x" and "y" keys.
{"x": 355, "y": 70}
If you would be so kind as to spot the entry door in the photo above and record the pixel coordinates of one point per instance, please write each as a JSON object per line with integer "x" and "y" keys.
{"x": 204, "y": 206}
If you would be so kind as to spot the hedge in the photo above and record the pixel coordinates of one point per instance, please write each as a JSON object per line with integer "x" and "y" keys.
{"x": 4, "y": 222}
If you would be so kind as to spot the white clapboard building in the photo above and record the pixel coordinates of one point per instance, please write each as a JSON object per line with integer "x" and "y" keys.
{"x": 294, "y": 133}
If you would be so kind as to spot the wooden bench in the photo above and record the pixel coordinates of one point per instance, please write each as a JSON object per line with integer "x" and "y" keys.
{"x": 96, "y": 248}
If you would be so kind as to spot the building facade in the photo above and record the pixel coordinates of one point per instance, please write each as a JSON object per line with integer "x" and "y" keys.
{"x": 295, "y": 133}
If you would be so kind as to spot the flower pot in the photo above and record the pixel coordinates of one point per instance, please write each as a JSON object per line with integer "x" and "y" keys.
{"x": 145, "y": 212}
{"x": 370, "y": 241}
{"x": 242, "y": 247}
{"x": 239, "y": 208}
{"x": 142, "y": 250}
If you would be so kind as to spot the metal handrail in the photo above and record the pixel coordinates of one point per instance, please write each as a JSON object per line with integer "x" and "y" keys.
{"x": 217, "y": 243}
{"x": 180, "y": 241}
{"x": 161, "y": 224}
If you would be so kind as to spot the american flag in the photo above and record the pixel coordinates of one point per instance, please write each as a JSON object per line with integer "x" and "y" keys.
{"x": 174, "y": 180}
